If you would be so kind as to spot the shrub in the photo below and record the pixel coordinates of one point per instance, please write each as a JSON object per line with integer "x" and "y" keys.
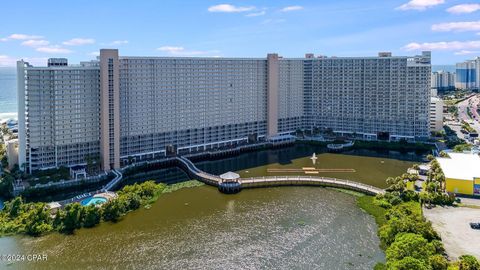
{"x": 438, "y": 262}
{"x": 410, "y": 245}
{"x": 468, "y": 262}
{"x": 408, "y": 263}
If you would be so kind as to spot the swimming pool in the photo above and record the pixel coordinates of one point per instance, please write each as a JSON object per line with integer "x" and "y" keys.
{"x": 93, "y": 201}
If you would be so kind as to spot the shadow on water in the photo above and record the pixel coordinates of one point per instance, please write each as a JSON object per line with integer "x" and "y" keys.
{"x": 283, "y": 156}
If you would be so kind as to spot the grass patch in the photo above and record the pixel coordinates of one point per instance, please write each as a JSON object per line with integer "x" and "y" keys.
{"x": 346, "y": 191}
{"x": 186, "y": 184}
{"x": 368, "y": 205}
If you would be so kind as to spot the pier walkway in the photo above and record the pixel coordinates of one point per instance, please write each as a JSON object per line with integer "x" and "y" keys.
{"x": 270, "y": 181}
{"x": 115, "y": 181}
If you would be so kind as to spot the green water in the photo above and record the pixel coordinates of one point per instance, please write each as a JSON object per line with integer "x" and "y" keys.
{"x": 369, "y": 167}
{"x": 200, "y": 228}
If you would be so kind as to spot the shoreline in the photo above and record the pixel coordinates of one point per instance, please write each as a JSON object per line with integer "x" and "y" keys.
{"x": 150, "y": 173}
{"x": 144, "y": 203}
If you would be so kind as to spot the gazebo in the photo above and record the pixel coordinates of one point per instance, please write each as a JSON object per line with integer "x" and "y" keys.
{"x": 54, "y": 206}
{"x": 77, "y": 170}
{"x": 229, "y": 177}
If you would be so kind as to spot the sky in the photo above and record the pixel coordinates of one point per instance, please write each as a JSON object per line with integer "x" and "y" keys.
{"x": 76, "y": 29}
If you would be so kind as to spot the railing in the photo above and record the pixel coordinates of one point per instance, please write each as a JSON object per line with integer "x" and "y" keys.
{"x": 306, "y": 180}
{"x": 111, "y": 184}
{"x": 203, "y": 176}
{"x": 66, "y": 183}
{"x": 282, "y": 180}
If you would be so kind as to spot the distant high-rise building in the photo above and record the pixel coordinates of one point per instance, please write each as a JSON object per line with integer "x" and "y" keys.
{"x": 468, "y": 74}
{"x": 436, "y": 114}
{"x": 121, "y": 108}
{"x": 443, "y": 81}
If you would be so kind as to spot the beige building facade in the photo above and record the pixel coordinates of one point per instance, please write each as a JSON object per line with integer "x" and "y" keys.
{"x": 118, "y": 109}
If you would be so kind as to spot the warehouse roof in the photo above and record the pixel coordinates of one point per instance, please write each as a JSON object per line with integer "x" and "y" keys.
{"x": 460, "y": 166}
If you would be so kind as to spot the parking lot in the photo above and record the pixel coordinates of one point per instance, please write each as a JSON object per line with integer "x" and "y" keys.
{"x": 452, "y": 223}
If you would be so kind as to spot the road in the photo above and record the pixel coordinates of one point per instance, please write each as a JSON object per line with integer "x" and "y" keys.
{"x": 472, "y": 104}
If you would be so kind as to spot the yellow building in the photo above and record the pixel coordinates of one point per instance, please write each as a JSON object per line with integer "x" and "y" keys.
{"x": 462, "y": 173}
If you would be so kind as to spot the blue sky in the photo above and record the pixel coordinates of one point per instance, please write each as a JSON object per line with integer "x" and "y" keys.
{"x": 36, "y": 30}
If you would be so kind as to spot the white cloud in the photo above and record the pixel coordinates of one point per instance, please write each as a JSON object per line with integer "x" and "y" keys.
{"x": 79, "y": 41}
{"x": 20, "y": 37}
{"x": 291, "y": 8}
{"x": 171, "y": 49}
{"x": 119, "y": 42}
{"x": 457, "y": 26}
{"x": 420, "y": 4}
{"x": 256, "y": 14}
{"x": 35, "y": 42}
{"x": 54, "y": 50}
{"x": 181, "y": 51}
{"x": 95, "y": 53}
{"x": 229, "y": 8}
{"x": 273, "y": 21}
{"x": 8, "y": 61}
{"x": 443, "y": 45}
{"x": 465, "y": 52}
{"x": 464, "y": 8}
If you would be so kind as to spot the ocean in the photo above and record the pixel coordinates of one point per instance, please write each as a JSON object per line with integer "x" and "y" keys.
{"x": 450, "y": 68}
{"x": 8, "y": 93}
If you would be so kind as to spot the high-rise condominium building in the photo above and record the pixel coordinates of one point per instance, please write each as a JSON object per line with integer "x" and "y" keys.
{"x": 122, "y": 108}
{"x": 443, "y": 80}
{"x": 468, "y": 75}
{"x": 436, "y": 114}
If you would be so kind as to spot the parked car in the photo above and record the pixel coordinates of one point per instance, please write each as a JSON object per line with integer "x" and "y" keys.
{"x": 475, "y": 225}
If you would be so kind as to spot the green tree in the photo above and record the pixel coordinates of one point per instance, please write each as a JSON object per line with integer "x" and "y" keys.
{"x": 438, "y": 245}
{"x": 132, "y": 201}
{"x": 92, "y": 216}
{"x": 408, "y": 263}
{"x": 38, "y": 220}
{"x": 438, "y": 262}
{"x": 113, "y": 210}
{"x": 14, "y": 207}
{"x": 443, "y": 154}
{"x": 409, "y": 245}
{"x": 6, "y": 185}
{"x": 468, "y": 262}
{"x": 73, "y": 219}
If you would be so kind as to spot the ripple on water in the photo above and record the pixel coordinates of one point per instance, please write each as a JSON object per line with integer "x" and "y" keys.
{"x": 279, "y": 228}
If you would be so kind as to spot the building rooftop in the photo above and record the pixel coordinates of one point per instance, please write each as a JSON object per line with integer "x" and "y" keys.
{"x": 460, "y": 166}
{"x": 230, "y": 176}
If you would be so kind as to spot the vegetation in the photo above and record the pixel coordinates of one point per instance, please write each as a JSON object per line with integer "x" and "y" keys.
{"x": 36, "y": 219}
{"x": 367, "y": 204}
{"x": 51, "y": 175}
{"x": 409, "y": 240}
{"x": 6, "y": 185}
{"x": 467, "y": 127}
{"x": 451, "y": 138}
{"x": 468, "y": 262}
{"x": 186, "y": 184}
{"x": 462, "y": 147}
{"x": 7, "y": 177}
{"x": 434, "y": 191}
{"x": 401, "y": 146}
